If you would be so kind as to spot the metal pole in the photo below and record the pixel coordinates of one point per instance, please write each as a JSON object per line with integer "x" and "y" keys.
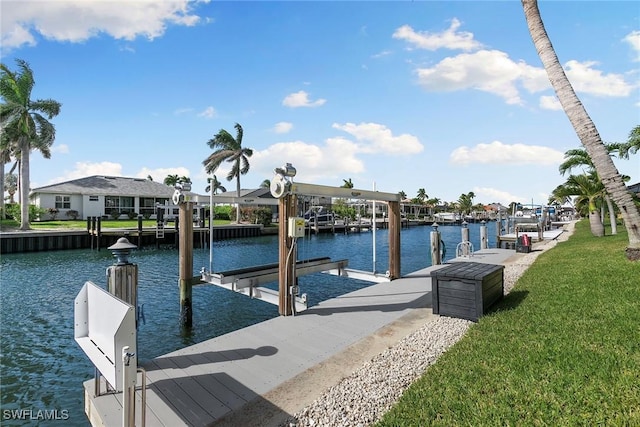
{"x": 373, "y": 224}
{"x": 211, "y": 226}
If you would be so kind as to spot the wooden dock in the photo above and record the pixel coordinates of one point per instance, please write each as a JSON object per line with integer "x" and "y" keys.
{"x": 262, "y": 374}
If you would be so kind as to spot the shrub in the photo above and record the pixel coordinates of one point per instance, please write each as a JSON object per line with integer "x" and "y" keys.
{"x": 146, "y": 214}
{"x": 114, "y": 214}
{"x": 223, "y": 212}
{"x": 53, "y": 213}
{"x": 132, "y": 214}
{"x": 13, "y": 210}
{"x": 258, "y": 215}
{"x": 73, "y": 214}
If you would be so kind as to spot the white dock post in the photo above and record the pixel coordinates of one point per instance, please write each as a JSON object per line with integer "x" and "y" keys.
{"x": 435, "y": 245}
{"x": 484, "y": 241}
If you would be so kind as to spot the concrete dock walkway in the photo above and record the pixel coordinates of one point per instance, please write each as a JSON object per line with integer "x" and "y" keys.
{"x": 262, "y": 374}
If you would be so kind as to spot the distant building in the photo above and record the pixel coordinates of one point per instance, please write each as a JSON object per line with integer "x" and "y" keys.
{"x": 102, "y": 196}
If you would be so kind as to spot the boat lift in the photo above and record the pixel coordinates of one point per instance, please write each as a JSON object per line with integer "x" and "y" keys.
{"x": 248, "y": 281}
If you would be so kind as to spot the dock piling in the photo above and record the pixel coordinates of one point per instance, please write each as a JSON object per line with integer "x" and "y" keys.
{"x": 185, "y": 220}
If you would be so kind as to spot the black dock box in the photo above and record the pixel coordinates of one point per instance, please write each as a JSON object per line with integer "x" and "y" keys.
{"x": 466, "y": 289}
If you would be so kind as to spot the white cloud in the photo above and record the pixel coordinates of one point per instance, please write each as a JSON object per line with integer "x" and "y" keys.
{"x": 301, "y": 99}
{"x": 550, "y": 103}
{"x": 486, "y": 70}
{"x": 314, "y": 163}
{"x": 381, "y": 54}
{"x": 493, "y": 195}
{"x": 633, "y": 39}
{"x": 282, "y": 127}
{"x": 447, "y": 39}
{"x": 584, "y": 78}
{"x": 506, "y": 154}
{"x": 377, "y": 138}
{"x": 60, "y": 148}
{"x": 208, "y": 113}
{"x": 22, "y": 20}
{"x": 159, "y": 174}
{"x": 181, "y": 111}
{"x": 84, "y": 169}
{"x": 494, "y": 72}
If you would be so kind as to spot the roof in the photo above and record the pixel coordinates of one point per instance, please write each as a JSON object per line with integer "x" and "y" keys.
{"x": 109, "y": 186}
{"x": 635, "y": 188}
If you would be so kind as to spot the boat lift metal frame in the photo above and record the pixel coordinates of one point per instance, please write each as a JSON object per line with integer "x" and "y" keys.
{"x": 247, "y": 281}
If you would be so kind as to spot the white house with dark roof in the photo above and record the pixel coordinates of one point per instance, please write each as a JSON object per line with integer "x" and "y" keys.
{"x": 100, "y": 195}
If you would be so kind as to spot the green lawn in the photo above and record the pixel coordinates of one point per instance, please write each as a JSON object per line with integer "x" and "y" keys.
{"x": 562, "y": 349}
{"x": 9, "y": 224}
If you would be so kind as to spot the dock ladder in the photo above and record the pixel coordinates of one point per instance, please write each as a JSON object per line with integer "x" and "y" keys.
{"x": 160, "y": 230}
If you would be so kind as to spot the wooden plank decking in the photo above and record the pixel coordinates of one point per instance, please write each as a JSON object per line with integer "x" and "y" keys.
{"x": 263, "y": 373}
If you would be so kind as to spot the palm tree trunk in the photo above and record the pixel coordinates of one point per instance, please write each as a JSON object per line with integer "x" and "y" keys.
{"x": 612, "y": 215}
{"x": 2, "y": 213}
{"x": 238, "y": 194}
{"x": 597, "y": 228}
{"x": 24, "y": 185}
{"x": 584, "y": 128}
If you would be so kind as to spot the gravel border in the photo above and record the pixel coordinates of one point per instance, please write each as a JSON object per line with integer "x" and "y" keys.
{"x": 363, "y": 397}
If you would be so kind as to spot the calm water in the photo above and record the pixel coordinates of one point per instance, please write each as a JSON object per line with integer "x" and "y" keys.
{"x": 42, "y": 367}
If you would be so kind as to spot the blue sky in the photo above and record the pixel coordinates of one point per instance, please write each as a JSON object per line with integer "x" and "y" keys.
{"x": 447, "y": 96}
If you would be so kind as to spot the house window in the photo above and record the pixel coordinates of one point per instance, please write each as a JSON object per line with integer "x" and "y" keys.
{"x": 118, "y": 204}
{"x": 63, "y": 202}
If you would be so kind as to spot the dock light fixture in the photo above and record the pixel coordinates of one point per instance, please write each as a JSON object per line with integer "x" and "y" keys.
{"x": 282, "y": 180}
{"x": 121, "y": 250}
{"x": 286, "y": 171}
{"x": 465, "y": 224}
{"x": 434, "y": 226}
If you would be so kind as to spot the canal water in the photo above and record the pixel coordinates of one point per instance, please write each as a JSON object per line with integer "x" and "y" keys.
{"x": 41, "y": 366}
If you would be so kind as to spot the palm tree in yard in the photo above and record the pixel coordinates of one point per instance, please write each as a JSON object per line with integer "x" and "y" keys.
{"x": 230, "y": 149}
{"x": 422, "y": 195}
{"x": 25, "y": 123}
{"x": 579, "y": 157}
{"x": 266, "y": 184}
{"x": 171, "y": 180}
{"x": 632, "y": 145}
{"x": 214, "y": 185}
{"x": 11, "y": 186}
{"x": 585, "y": 128}
{"x": 588, "y": 191}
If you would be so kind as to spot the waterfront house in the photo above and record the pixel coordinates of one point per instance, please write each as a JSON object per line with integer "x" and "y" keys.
{"x": 103, "y": 196}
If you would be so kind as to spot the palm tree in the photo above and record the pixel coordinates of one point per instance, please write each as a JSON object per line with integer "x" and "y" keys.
{"x": 579, "y": 157}
{"x": 403, "y": 195}
{"x": 171, "y": 180}
{"x": 584, "y": 128}
{"x": 227, "y": 148}
{"x": 266, "y": 184}
{"x": 26, "y": 124}
{"x": 217, "y": 186}
{"x": 632, "y": 146}
{"x": 5, "y": 157}
{"x": 465, "y": 202}
{"x": 347, "y": 183}
{"x": 588, "y": 190}
{"x": 422, "y": 195}
{"x": 11, "y": 186}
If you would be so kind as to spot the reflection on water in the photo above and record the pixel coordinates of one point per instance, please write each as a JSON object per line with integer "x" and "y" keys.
{"x": 41, "y": 366}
